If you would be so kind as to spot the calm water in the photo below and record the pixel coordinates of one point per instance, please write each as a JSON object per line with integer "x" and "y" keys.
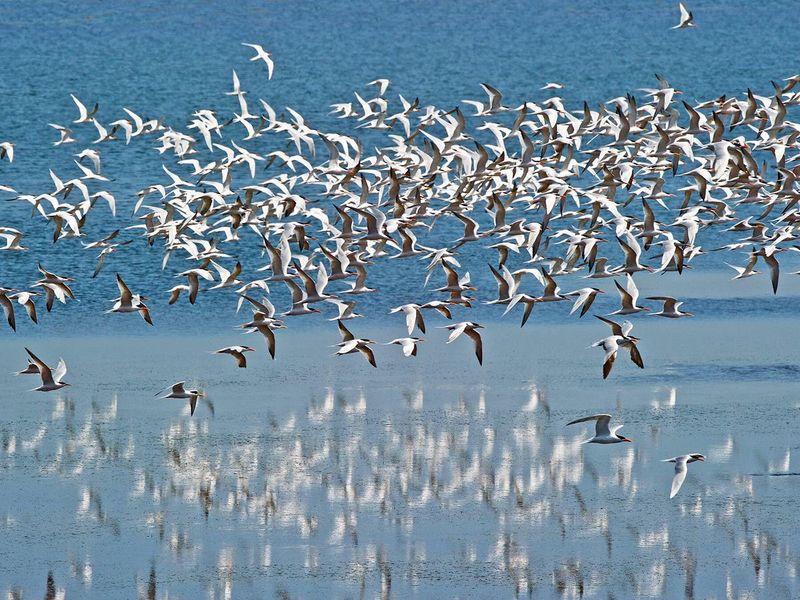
{"x": 317, "y": 477}
{"x": 314, "y": 477}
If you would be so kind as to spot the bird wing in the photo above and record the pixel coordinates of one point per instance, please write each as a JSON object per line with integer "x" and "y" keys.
{"x": 269, "y": 336}
{"x": 635, "y": 356}
{"x": 61, "y": 370}
{"x": 685, "y": 15}
{"x": 368, "y": 354}
{"x": 124, "y": 292}
{"x": 680, "y": 475}
{"x": 456, "y": 331}
{"x": 626, "y": 328}
{"x": 347, "y": 335}
{"x": 669, "y": 302}
{"x": 616, "y": 328}
{"x": 601, "y": 427}
{"x": 476, "y": 338}
{"x": 44, "y": 370}
{"x": 8, "y": 307}
{"x": 774, "y": 271}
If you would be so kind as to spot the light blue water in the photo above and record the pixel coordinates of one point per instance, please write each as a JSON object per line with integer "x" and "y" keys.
{"x": 318, "y": 477}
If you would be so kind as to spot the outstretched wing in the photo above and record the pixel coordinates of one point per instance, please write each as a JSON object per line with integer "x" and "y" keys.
{"x": 60, "y": 371}
{"x": 601, "y": 427}
{"x": 680, "y": 475}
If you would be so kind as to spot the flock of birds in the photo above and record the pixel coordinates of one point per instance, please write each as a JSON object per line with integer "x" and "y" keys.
{"x": 537, "y": 187}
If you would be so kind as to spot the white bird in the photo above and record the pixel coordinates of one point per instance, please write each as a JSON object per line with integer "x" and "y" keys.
{"x": 237, "y": 352}
{"x": 681, "y": 463}
{"x": 7, "y": 151}
{"x": 408, "y": 344}
{"x": 687, "y": 18}
{"x": 671, "y": 308}
{"x": 628, "y": 296}
{"x": 413, "y": 315}
{"x": 620, "y": 338}
{"x": 51, "y": 380}
{"x": 471, "y": 330}
{"x": 129, "y": 302}
{"x": 586, "y": 297}
{"x": 179, "y": 392}
{"x": 261, "y": 54}
{"x": 603, "y": 434}
{"x": 84, "y": 115}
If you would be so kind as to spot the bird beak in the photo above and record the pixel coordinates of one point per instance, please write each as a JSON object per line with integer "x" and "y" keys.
{"x": 626, "y": 440}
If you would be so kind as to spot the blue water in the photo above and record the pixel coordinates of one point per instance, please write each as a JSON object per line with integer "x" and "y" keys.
{"x": 165, "y": 61}
{"x": 319, "y": 477}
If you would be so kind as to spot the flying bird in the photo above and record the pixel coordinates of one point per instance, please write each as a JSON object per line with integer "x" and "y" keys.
{"x": 681, "y": 468}
{"x": 603, "y": 433}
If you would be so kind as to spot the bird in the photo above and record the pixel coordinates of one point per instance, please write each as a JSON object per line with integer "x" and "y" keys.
{"x": 7, "y": 151}
{"x": 8, "y": 307}
{"x": 408, "y": 344}
{"x": 603, "y": 434}
{"x": 687, "y": 19}
{"x": 178, "y": 391}
{"x": 470, "y": 329}
{"x": 51, "y": 380}
{"x": 84, "y": 115}
{"x": 413, "y": 314}
{"x": 13, "y": 238}
{"x": 628, "y": 297}
{"x": 681, "y": 468}
{"x": 671, "y": 308}
{"x": 358, "y": 345}
{"x": 262, "y": 55}
{"x": 129, "y": 302}
{"x": 586, "y": 297}
{"x": 620, "y": 338}
{"x": 238, "y": 353}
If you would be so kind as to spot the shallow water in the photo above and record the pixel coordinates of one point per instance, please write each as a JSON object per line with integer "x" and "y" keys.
{"x": 314, "y": 476}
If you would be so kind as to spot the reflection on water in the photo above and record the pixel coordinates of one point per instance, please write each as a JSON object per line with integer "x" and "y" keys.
{"x": 346, "y": 487}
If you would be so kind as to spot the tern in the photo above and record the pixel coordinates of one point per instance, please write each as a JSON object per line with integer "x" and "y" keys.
{"x": 681, "y": 468}
{"x": 628, "y": 296}
{"x": 408, "y": 344}
{"x": 413, "y": 315}
{"x": 237, "y": 352}
{"x": 671, "y": 308}
{"x": 51, "y": 380}
{"x": 620, "y": 338}
{"x": 470, "y": 329}
{"x": 178, "y": 391}
{"x": 687, "y": 18}
{"x": 358, "y": 345}
{"x": 586, "y": 297}
{"x": 603, "y": 434}
{"x": 262, "y": 55}
{"x": 129, "y": 302}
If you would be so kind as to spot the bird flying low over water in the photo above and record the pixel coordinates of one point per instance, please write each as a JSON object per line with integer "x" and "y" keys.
{"x": 238, "y": 353}
{"x": 681, "y": 468}
{"x": 178, "y": 391}
{"x": 470, "y": 329}
{"x": 620, "y": 338}
{"x": 603, "y": 434}
{"x": 52, "y": 380}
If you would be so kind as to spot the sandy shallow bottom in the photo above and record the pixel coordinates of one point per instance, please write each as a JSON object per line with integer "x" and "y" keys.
{"x": 320, "y": 477}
